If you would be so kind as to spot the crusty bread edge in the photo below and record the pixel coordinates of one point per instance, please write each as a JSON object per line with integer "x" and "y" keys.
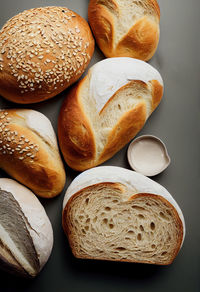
{"x": 178, "y": 220}
{"x": 42, "y": 234}
{"x": 129, "y": 178}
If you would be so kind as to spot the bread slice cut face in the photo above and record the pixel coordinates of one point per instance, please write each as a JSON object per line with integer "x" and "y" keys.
{"x": 114, "y": 221}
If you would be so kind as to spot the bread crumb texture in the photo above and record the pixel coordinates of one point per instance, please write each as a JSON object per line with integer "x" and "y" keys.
{"x": 106, "y": 222}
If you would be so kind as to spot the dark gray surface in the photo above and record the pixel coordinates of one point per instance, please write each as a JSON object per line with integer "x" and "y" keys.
{"x": 177, "y": 123}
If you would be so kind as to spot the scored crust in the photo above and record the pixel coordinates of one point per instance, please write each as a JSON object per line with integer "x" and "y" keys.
{"x": 89, "y": 133}
{"x": 140, "y": 35}
{"x": 105, "y": 221}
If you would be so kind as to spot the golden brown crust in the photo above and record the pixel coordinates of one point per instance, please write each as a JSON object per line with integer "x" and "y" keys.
{"x": 75, "y": 135}
{"x": 140, "y": 41}
{"x": 27, "y": 158}
{"x": 45, "y": 57}
{"x": 101, "y": 22}
{"x": 157, "y": 93}
{"x": 67, "y": 227}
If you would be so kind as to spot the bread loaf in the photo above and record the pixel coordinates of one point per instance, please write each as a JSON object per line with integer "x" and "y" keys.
{"x": 111, "y": 213}
{"x": 125, "y": 28}
{"x": 29, "y": 151}
{"x": 106, "y": 109}
{"x": 42, "y": 52}
{"x": 26, "y": 235}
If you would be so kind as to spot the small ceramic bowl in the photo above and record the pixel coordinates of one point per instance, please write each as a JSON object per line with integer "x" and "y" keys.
{"x": 148, "y": 155}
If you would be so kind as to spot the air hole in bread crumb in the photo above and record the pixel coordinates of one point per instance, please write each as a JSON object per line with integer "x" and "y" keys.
{"x": 163, "y": 253}
{"x": 163, "y": 216}
{"x": 127, "y": 238}
{"x": 88, "y": 220}
{"x": 105, "y": 220}
{"x": 141, "y": 228}
{"x": 120, "y": 248}
{"x": 107, "y": 208}
{"x": 138, "y": 208}
{"x": 119, "y": 106}
{"x": 95, "y": 219}
{"x": 152, "y": 225}
{"x": 86, "y": 228}
{"x": 87, "y": 201}
{"x": 139, "y": 236}
{"x": 153, "y": 246}
{"x": 131, "y": 232}
{"x": 140, "y": 216}
{"x": 169, "y": 212}
{"x": 83, "y": 231}
{"x": 81, "y": 217}
{"x": 115, "y": 201}
{"x": 111, "y": 226}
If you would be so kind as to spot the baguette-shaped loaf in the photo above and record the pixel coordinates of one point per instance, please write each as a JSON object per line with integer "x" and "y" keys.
{"x": 26, "y": 235}
{"x": 111, "y": 213}
{"x": 125, "y": 28}
{"x": 29, "y": 151}
{"x": 106, "y": 109}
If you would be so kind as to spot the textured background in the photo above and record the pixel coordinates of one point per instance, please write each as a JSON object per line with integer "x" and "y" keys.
{"x": 177, "y": 123}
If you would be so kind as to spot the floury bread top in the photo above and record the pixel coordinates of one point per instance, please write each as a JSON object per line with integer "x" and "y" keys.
{"x": 106, "y": 109}
{"x": 109, "y": 75}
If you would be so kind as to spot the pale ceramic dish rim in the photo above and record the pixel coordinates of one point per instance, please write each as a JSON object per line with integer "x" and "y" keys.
{"x": 131, "y": 162}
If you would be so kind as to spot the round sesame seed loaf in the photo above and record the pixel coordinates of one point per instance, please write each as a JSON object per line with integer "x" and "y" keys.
{"x": 42, "y": 52}
{"x": 29, "y": 151}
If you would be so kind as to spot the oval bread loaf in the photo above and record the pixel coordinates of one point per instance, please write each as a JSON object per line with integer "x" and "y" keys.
{"x": 125, "y": 28}
{"x": 26, "y": 235}
{"x": 42, "y": 52}
{"x": 111, "y": 213}
{"x": 106, "y": 109}
{"x": 29, "y": 151}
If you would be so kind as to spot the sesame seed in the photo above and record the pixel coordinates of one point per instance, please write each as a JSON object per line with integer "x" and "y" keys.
{"x": 37, "y": 32}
